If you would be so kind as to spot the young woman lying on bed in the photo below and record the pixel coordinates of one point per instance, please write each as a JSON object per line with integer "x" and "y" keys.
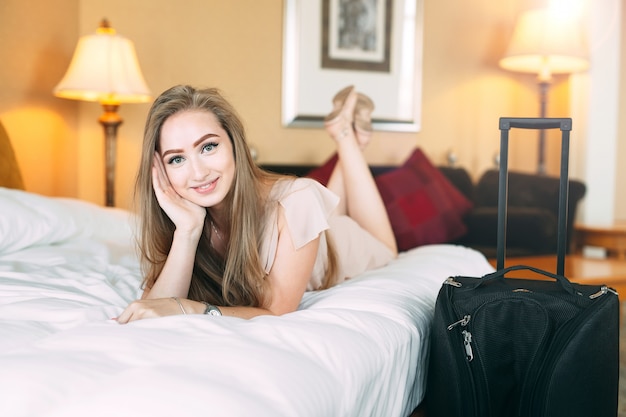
{"x": 218, "y": 235}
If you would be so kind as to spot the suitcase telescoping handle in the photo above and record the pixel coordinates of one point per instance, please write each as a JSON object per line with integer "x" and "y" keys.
{"x": 506, "y": 123}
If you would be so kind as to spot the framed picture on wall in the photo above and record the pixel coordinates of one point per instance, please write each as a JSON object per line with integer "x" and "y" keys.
{"x": 375, "y": 45}
{"x": 356, "y": 34}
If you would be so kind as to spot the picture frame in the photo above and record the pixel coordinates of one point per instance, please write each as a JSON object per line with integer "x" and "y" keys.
{"x": 356, "y": 34}
{"x": 308, "y": 86}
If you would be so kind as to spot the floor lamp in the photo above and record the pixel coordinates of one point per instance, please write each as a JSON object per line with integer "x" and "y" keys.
{"x": 104, "y": 68}
{"x": 546, "y": 43}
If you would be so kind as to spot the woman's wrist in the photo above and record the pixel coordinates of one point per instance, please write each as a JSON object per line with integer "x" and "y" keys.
{"x": 193, "y": 307}
{"x": 190, "y": 235}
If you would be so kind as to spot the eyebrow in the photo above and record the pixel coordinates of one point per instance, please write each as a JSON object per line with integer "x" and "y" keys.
{"x": 196, "y": 143}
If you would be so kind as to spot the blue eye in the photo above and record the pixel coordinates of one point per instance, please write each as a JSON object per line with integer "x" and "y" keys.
{"x": 175, "y": 160}
{"x": 208, "y": 147}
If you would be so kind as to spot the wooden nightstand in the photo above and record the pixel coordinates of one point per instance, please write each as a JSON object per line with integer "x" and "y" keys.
{"x": 611, "y": 238}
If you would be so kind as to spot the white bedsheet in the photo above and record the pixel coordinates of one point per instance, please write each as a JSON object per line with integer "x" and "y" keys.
{"x": 358, "y": 349}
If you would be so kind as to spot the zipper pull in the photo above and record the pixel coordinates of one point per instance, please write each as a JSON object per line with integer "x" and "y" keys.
{"x": 603, "y": 290}
{"x": 463, "y": 322}
{"x": 451, "y": 281}
{"x": 467, "y": 342}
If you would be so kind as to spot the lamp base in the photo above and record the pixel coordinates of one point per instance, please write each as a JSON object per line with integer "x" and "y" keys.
{"x": 110, "y": 121}
{"x": 543, "y": 100}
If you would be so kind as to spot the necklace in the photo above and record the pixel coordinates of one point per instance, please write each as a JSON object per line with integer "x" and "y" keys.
{"x": 217, "y": 233}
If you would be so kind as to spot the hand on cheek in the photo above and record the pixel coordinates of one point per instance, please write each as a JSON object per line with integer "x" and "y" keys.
{"x": 183, "y": 213}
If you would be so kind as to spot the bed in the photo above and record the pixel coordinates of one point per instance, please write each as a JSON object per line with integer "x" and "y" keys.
{"x": 68, "y": 267}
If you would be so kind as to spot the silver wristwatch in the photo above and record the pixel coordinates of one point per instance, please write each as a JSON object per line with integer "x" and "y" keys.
{"x": 211, "y": 309}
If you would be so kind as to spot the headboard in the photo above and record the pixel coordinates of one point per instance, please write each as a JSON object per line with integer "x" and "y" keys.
{"x": 10, "y": 175}
{"x": 458, "y": 176}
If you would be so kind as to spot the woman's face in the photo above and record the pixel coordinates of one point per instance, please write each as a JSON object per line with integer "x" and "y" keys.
{"x": 198, "y": 157}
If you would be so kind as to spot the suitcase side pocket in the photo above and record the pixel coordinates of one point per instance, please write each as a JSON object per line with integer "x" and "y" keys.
{"x": 581, "y": 372}
{"x": 508, "y": 334}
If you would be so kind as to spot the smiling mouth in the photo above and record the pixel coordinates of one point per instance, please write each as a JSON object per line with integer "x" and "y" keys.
{"x": 206, "y": 187}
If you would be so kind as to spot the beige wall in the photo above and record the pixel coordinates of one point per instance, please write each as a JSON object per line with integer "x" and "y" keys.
{"x": 36, "y": 40}
{"x": 236, "y": 46}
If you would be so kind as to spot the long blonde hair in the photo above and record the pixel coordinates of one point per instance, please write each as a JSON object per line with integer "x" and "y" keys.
{"x": 238, "y": 278}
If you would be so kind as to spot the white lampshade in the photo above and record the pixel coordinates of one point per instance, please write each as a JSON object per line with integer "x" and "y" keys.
{"x": 104, "y": 68}
{"x": 544, "y": 43}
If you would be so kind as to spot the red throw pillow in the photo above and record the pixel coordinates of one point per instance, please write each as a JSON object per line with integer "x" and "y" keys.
{"x": 323, "y": 172}
{"x": 424, "y": 207}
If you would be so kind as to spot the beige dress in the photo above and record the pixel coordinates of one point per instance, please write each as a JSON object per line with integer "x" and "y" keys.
{"x": 309, "y": 210}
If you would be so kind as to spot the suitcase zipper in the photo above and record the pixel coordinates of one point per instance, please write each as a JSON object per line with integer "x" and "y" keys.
{"x": 467, "y": 342}
{"x": 451, "y": 281}
{"x": 467, "y": 336}
{"x": 603, "y": 290}
{"x": 465, "y": 376}
{"x": 463, "y": 322}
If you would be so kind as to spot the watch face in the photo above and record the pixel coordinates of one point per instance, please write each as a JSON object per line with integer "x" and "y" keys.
{"x": 212, "y": 310}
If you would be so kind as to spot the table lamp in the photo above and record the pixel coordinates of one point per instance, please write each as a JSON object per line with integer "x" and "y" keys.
{"x": 546, "y": 43}
{"x": 104, "y": 68}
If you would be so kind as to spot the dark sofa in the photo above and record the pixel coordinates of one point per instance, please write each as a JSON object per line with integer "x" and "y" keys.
{"x": 532, "y": 212}
{"x": 532, "y": 208}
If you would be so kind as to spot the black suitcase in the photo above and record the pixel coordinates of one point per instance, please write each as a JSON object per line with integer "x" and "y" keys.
{"x": 524, "y": 347}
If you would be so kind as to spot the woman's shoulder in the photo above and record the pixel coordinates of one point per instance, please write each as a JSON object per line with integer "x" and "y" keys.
{"x": 306, "y": 206}
{"x": 303, "y": 195}
{"x": 303, "y": 204}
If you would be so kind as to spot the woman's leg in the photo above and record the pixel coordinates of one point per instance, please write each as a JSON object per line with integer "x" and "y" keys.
{"x": 337, "y": 186}
{"x": 352, "y": 179}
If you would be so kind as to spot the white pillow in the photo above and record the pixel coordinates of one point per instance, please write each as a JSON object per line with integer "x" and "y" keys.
{"x": 28, "y": 219}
